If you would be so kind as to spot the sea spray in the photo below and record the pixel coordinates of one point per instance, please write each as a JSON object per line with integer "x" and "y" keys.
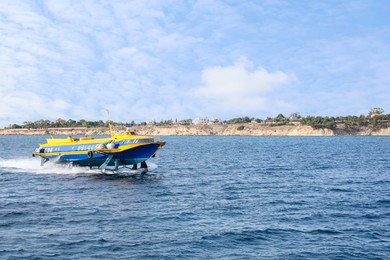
{"x": 32, "y": 165}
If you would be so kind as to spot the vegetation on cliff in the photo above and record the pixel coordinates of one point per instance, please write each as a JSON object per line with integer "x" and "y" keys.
{"x": 375, "y": 120}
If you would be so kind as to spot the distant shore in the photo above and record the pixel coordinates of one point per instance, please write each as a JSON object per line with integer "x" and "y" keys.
{"x": 249, "y": 129}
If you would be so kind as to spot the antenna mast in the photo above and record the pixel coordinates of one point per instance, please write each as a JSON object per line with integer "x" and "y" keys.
{"x": 109, "y": 122}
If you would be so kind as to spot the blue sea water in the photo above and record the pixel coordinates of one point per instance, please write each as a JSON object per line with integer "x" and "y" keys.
{"x": 203, "y": 198}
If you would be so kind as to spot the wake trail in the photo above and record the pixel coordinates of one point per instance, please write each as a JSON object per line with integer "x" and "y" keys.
{"x": 32, "y": 165}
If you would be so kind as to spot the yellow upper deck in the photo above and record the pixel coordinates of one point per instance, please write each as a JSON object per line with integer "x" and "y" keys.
{"x": 89, "y": 140}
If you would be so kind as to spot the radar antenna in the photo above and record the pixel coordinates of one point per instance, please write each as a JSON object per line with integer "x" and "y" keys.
{"x": 109, "y": 123}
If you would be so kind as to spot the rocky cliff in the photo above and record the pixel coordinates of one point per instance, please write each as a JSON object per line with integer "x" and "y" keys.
{"x": 222, "y": 130}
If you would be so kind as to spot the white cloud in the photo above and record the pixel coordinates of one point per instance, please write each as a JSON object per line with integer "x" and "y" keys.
{"x": 239, "y": 89}
{"x": 131, "y": 58}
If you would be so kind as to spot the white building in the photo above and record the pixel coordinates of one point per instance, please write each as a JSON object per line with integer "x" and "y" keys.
{"x": 201, "y": 121}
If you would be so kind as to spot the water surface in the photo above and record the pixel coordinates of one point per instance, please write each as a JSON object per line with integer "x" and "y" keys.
{"x": 204, "y": 197}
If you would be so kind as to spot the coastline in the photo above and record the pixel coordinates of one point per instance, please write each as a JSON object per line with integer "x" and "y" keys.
{"x": 209, "y": 130}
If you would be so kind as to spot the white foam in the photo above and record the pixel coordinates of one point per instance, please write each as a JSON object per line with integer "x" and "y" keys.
{"x": 33, "y": 165}
{"x": 26, "y": 164}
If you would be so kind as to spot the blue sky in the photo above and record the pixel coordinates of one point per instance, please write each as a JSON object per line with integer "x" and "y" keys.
{"x": 154, "y": 60}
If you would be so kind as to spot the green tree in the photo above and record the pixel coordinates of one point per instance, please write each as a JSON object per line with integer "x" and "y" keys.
{"x": 319, "y": 122}
{"x": 27, "y": 124}
{"x": 239, "y": 120}
{"x": 376, "y": 111}
{"x": 280, "y": 118}
{"x": 83, "y": 123}
{"x": 14, "y": 126}
{"x": 295, "y": 116}
{"x": 70, "y": 123}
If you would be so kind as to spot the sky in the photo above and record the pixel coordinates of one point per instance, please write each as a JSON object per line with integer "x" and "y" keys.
{"x": 158, "y": 60}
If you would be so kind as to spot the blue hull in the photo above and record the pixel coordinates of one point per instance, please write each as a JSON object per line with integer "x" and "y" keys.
{"x": 131, "y": 156}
